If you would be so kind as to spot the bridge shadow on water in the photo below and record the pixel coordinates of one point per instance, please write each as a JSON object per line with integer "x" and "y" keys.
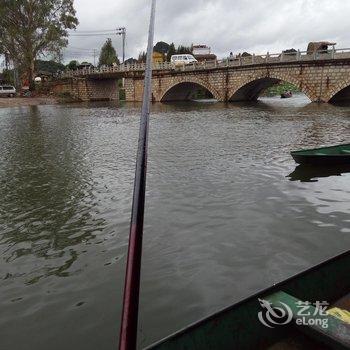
{"x": 299, "y": 102}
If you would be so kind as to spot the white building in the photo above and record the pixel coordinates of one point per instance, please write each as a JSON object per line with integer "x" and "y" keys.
{"x": 201, "y": 50}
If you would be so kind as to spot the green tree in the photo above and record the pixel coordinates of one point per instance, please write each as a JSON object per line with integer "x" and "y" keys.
{"x": 161, "y": 47}
{"x": 73, "y": 65}
{"x": 171, "y": 51}
{"x": 48, "y": 66}
{"x": 142, "y": 57}
{"x": 8, "y": 76}
{"x": 184, "y": 49}
{"x": 32, "y": 28}
{"x": 108, "y": 55}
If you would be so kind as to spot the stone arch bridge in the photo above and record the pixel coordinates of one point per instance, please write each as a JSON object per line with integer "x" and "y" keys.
{"x": 321, "y": 79}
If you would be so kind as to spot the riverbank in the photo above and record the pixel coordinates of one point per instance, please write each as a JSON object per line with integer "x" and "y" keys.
{"x": 27, "y": 101}
{"x": 278, "y": 89}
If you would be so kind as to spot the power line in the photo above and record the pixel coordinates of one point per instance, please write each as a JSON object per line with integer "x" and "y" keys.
{"x": 79, "y": 52}
{"x": 90, "y": 54}
{"x": 75, "y": 55}
{"x": 92, "y": 31}
{"x": 78, "y": 48}
{"x": 93, "y": 34}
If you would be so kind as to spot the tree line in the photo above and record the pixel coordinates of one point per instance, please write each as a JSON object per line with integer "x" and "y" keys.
{"x": 167, "y": 50}
{"x": 32, "y": 29}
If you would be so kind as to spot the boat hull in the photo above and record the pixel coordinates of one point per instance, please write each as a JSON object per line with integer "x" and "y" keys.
{"x": 334, "y": 155}
{"x": 238, "y": 327}
{"x": 321, "y": 160}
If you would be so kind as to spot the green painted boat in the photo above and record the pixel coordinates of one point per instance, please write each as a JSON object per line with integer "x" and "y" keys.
{"x": 339, "y": 154}
{"x": 287, "y": 315}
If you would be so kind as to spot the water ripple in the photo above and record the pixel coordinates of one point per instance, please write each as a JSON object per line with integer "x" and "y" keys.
{"x": 223, "y": 219}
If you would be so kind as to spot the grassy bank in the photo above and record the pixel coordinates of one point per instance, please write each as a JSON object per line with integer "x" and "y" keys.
{"x": 280, "y": 88}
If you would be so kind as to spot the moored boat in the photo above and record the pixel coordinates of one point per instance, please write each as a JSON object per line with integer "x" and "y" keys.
{"x": 286, "y": 94}
{"x": 272, "y": 319}
{"x": 339, "y": 154}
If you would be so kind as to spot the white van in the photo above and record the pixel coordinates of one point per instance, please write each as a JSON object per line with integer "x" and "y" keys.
{"x": 7, "y": 90}
{"x": 180, "y": 60}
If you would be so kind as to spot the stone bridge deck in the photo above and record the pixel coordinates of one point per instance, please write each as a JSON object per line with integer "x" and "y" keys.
{"x": 322, "y": 77}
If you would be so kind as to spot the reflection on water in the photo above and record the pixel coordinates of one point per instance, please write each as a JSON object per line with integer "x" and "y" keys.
{"x": 222, "y": 220}
{"x": 44, "y": 204}
{"x": 311, "y": 173}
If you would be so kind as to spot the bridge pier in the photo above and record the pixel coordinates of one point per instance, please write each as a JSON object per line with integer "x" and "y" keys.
{"x": 134, "y": 89}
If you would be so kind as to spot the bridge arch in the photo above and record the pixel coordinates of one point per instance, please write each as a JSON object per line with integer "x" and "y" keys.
{"x": 341, "y": 92}
{"x": 252, "y": 87}
{"x": 184, "y": 88}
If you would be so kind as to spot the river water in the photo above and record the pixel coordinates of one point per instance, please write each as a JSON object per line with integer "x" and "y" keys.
{"x": 223, "y": 217}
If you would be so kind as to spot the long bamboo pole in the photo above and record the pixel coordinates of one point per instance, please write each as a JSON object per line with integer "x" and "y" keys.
{"x": 128, "y": 329}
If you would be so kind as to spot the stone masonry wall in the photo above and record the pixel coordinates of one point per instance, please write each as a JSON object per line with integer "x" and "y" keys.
{"x": 88, "y": 90}
{"x": 98, "y": 90}
{"x": 320, "y": 81}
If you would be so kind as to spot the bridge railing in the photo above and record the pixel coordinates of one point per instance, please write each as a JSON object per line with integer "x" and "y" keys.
{"x": 240, "y": 60}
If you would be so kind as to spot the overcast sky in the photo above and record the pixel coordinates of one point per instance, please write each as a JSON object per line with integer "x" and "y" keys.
{"x": 224, "y": 25}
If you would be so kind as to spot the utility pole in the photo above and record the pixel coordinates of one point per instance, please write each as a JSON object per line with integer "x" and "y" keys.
{"x": 122, "y": 31}
{"x": 94, "y": 57}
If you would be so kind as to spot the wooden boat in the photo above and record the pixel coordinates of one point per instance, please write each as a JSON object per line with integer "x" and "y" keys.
{"x": 323, "y": 156}
{"x": 239, "y": 326}
{"x": 286, "y": 94}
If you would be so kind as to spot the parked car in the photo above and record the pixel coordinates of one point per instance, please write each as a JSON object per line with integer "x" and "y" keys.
{"x": 179, "y": 60}
{"x": 86, "y": 65}
{"x": 7, "y": 91}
